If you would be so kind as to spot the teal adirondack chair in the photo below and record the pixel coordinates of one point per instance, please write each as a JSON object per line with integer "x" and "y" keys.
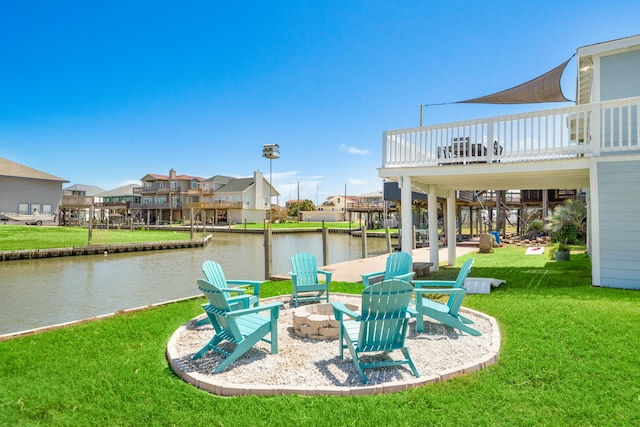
{"x": 234, "y": 290}
{"x": 214, "y": 274}
{"x": 448, "y": 313}
{"x": 243, "y": 327}
{"x": 382, "y": 325}
{"x": 398, "y": 266}
{"x": 306, "y": 283}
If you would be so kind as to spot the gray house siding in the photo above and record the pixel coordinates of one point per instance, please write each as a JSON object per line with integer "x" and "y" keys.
{"x": 35, "y": 193}
{"x": 619, "y": 75}
{"x": 619, "y": 204}
{"x": 619, "y": 79}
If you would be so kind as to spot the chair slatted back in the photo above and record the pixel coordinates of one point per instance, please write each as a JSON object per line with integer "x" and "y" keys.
{"x": 214, "y": 274}
{"x": 225, "y": 327}
{"x": 384, "y": 319}
{"x": 398, "y": 263}
{"x": 304, "y": 265}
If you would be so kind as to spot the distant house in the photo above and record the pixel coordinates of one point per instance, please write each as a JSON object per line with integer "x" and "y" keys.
{"x": 77, "y": 201}
{"x": 124, "y": 194}
{"x": 235, "y": 200}
{"x": 367, "y": 207}
{"x": 116, "y": 203}
{"x": 337, "y": 203}
{"x": 373, "y": 198}
{"x": 27, "y": 191}
{"x": 219, "y": 199}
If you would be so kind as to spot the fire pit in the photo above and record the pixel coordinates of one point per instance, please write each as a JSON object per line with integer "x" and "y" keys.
{"x": 317, "y": 321}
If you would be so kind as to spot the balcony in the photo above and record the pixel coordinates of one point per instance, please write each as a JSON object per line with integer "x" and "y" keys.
{"x": 558, "y": 134}
{"x": 548, "y": 149}
{"x": 155, "y": 190}
{"x": 364, "y": 207}
{"x": 165, "y": 205}
{"x": 215, "y": 205}
{"x": 77, "y": 201}
{"x": 198, "y": 191}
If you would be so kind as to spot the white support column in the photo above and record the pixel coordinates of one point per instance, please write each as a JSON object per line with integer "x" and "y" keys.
{"x": 406, "y": 204}
{"x": 451, "y": 227}
{"x": 593, "y": 223}
{"x": 432, "y": 205}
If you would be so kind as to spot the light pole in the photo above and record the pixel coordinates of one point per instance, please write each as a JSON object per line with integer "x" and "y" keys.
{"x": 271, "y": 152}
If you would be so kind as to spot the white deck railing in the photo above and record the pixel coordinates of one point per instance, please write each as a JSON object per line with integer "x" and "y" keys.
{"x": 542, "y": 135}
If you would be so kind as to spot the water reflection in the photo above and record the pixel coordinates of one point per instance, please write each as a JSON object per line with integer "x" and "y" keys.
{"x": 48, "y": 291}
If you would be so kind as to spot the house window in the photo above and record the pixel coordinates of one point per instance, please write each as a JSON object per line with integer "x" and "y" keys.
{"x": 161, "y": 184}
{"x": 23, "y": 208}
{"x": 174, "y": 185}
{"x": 194, "y": 185}
{"x": 47, "y": 209}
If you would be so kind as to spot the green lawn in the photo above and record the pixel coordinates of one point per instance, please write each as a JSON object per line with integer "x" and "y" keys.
{"x": 569, "y": 357}
{"x": 17, "y": 237}
{"x": 308, "y": 224}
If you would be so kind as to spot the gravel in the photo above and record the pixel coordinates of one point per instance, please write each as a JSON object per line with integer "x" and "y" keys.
{"x": 304, "y": 362}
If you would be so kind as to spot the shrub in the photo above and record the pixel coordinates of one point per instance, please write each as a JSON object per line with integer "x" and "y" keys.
{"x": 568, "y": 223}
{"x": 535, "y": 225}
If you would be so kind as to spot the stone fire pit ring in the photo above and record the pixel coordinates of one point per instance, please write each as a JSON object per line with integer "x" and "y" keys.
{"x": 317, "y": 322}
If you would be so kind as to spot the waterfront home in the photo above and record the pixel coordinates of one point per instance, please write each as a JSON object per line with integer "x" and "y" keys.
{"x": 591, "y": 146}
{"x": 28, "y": 191}
{"x": 220, "y": 199}
{"x": 77, "y": 202}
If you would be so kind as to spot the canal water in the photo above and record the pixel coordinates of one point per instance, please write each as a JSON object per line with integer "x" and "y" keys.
{"x": 43, "y": 292}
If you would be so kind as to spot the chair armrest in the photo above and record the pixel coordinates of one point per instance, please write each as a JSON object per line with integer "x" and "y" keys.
{"x": 407, "y": 276}
{"x": 450, "y": 291}
{"x": 366, "y": 277}
{"x": 339, "y": 307}
{"x": 428, "y": 283}
{"x": 270, "y": 306}
{"x": 327, "y": 275}
{"x": 253, "y": 283}
{"x": 236, "y": 290}
{"x": 245, "y": 300}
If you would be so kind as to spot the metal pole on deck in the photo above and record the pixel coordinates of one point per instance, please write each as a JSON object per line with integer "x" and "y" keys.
{"x": 413, "y": 228}
{"x": 388, "y": 236}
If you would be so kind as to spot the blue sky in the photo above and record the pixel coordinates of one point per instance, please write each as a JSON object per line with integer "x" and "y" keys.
{"x": 102, "y": 93}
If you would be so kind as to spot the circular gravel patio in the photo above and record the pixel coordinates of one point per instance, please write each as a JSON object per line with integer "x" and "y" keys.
{"x": 308, "y": 366}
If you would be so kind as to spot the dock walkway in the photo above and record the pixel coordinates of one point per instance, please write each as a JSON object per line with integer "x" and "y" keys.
{"x": 351, "y": 271}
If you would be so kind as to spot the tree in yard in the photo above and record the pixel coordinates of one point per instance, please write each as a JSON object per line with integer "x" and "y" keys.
{"x": 568, "y": 223}
{"x": 305, "y": 205}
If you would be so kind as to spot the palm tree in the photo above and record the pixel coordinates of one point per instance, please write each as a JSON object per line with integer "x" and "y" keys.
{"x": 568, "y": 223}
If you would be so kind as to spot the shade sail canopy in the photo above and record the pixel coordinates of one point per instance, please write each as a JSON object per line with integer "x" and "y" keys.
{"x": 545, "y": 88}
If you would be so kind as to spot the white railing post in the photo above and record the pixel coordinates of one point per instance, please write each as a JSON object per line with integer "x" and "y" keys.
{"x": 385, "y": 147}
{"x": 490, "y": 147}
{"x": 595, "y": 134}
